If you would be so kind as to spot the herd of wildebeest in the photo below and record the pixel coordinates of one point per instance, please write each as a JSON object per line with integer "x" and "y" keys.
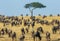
{"x": 14, "y": 21}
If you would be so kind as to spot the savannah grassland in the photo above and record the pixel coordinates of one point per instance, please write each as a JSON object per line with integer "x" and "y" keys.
{"x": 17, "y": 29}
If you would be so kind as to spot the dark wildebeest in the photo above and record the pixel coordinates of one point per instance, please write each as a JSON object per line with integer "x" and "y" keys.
{"x": 38, "y": 20}
{"x": 55, "y": 29}
{"x": 6, "y": 30}
{"x": 33, "y": 24}
{"x": 20, "y": 21}
{"x": 14, "y": 36}
{"x": 59, "y": 28}
{"x": 22, "y": 37}
{"x": 36, "y": 35}
{"x": 28, "y": 23}
{"x": 10, "y": 33}
{"x": 2, "y": 31}
{"x": 23, "y": 31}
{"x": 46, "y": 22}
{"x": 27, "y": 30}
{"x": 25, "y": 22}
{"x": 13, "y": 23}
{"x": 40, "y": 29}
{"x": 42, "y": 22}
{"x": 44, "y": 16}
{"x": 6, "y": 22}
{"x": 32, "y": 18}
{"x": 48, "y": 36}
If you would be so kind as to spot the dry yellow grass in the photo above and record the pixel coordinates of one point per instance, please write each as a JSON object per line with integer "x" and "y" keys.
{"x": 17, "y": 29}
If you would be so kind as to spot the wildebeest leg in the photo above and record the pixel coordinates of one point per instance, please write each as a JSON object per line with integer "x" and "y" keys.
{"x": 54, "y": 31}
{"x": 15, "y": 39}
{"x": 42, "y": 31}
{"x": 34, "y": 38}
{"x": 4, "y": 24}
{"x": 12, "y": 39}
{"x": 39, "y": 38}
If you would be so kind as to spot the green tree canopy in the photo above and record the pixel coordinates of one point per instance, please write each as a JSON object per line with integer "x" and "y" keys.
{"x": 32, "y": 6}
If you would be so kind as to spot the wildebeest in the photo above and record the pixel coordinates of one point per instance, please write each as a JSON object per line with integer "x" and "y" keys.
{"x": 28, "y": 23}
{"x": 33, "y": 24}
{"x": 25, "y": 22}
{"x": 6, "y": 30}
{"x": 44, "y": 16}
{"x": 40, "y": 29}
{"x": 36, "y": 35}
{"x": 22, "y": 37}
{"x": 14, "y": 36}
{"x": 32, "y": 18}
{"x": 6, "y": 22}
{"x": 10, "y": 33}
{"x": 48, "y": 36}
{"x": 55, "y": 29}
{"x": 27, "y": 30}
{"x": 2, "y": 31}
{"x": 23, "y": 31}
{"x": 13, "y": 23}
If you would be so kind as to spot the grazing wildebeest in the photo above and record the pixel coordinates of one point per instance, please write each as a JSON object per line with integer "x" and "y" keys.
{"x": 40, "y": 29}
{"x": 33, "y": 35}
{"x": 55, "y": 29}
{"x": 46, "y": 22}
{"x": 32, "y": 18}
{"x": 22, "y": 37}
{"x": 57, "y": 22}
{"x": 42, "y": 22}
{"x": 27, "y": 29}
{"x": 2, "y": 31}
{"x": 36, "y": 35}
{"x": 6, "y": 30}
{"x": 48, "y": 36}
{"x": 28, "y": 23}
{"x": 14, "y": 36}
{"x": 9, "y": 33}
{"x": 59, "y": 28}
{"x": 6, "y": 22}
{"x": 44, "y": 16}
{"x": 17, "y": 23}
{"x": 25, "y": 22}
{"x": 23, "y": 31}
{"x": 13, "y": 23}
{"x": 38, "y": 20}
{"x": 33, "y": 24}
{"x": 20, "y": 21}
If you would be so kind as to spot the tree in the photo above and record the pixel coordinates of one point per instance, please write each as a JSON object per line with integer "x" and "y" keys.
{"x": 39, "y": 15}
{"x": 21, "y": 14}
{"x": 51, "y": 15}
{"x": 26, "y": 14}
{"x": 58, "y": 15}
{"x": 32, "y": 6}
